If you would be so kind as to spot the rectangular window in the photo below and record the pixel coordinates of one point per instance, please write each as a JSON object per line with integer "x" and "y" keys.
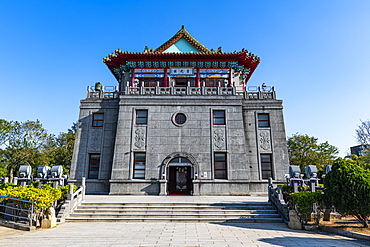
{"x": 220, "y": 166}
{"x": 139, "y": 165}
{"x": 219, "y": 117}
{"x": 263, "y": 120}
{"x": 97, "y": 119}
{"x": 94, "y": 163}
{"x": 266, "y": 166}
{"x": 141, "y": 116}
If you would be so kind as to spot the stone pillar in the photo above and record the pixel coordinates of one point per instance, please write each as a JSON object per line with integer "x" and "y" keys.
{"x": 295, "y": 185}
{"x": 70, "y": 192}
{"x": 280, "y": 192}
{"x": 23, "y": 181}
{"x": 196, "y": 191}
{"x": 313, "y": 185}
{"x": 83, "y": 185}
{"x": 162, "y": 187}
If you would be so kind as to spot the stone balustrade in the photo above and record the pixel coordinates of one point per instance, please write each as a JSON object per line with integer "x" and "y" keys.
{"x": 255, "y": 93}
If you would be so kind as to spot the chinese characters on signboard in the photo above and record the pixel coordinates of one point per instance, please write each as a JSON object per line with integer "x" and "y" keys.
{"x": 181, "y": 71}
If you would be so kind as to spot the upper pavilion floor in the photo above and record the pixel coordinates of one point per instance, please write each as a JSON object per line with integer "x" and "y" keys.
{"x": 181, "y": 61}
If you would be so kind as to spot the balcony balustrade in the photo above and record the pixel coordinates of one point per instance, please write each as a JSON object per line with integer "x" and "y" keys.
{"x": 252, "y": 93}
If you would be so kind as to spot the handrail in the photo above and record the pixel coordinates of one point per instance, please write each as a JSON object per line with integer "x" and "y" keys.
{"x": 17, "y": 199}
{"x": 29, "y": 212}
{"x": 73, "y": 200}
{"x": 275, "y": 197}
{"x": 260, "y": 94}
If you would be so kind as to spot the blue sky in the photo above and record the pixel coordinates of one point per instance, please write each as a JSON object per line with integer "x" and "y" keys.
{"x": 316, "y": 53}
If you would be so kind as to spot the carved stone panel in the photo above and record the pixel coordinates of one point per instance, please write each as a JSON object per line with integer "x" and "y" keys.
{"x": 95, "y": 141}
{"x": 140, "y": 138}
{"x": 264, "y": 140}
{"x": 219, "y": 138}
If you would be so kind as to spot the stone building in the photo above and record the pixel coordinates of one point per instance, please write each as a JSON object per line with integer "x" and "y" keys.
{"x": 180, "y": 121}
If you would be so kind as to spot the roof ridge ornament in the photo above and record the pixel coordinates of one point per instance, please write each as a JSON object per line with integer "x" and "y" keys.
{"x": 182, "y": 33}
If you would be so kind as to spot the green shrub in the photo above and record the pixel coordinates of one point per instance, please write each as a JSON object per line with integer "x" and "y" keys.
{"x": 43, "y": 197}
{"x": 348, "y": 190}
{"x": 303, "y": 202}
{"x": 6, "y": 185}
{"x": 286, "y": 189}
{"x": 65, "y": 191}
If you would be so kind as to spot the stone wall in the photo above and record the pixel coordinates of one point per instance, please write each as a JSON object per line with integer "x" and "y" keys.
{"x": 120, "y": 138}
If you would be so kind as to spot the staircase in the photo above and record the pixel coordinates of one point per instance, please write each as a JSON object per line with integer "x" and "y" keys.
{"x": 250, "y": 212}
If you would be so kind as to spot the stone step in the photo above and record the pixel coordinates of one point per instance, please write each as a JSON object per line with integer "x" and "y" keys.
{"x": 192, "y": 211}
{"x": 170, "y": 209}
{"x": 176, "y": 211}
{"x": 177, "y": 207}
{"x": 142, "y": 204}
{"x": 173, "y": 215}
{"x": 240, "y": 220}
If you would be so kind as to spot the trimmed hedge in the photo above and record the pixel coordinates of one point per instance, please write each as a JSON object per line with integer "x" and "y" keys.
{"x": 43, "y": 197}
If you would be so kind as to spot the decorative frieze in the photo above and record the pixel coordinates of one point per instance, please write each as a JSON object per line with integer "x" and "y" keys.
{"x": 163, "y": 64}
{"x": 149, "y": 71}
{"x": 215, "y": 71}
{"x": 214, "y": 76}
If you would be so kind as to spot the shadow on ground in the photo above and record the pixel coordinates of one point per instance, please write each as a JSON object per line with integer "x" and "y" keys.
{"x": 292, "y": 240}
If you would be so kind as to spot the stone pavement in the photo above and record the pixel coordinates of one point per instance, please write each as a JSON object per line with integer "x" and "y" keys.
{"x": 172, "y": 233}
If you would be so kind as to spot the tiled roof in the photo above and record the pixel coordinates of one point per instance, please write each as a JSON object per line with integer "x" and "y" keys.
{"x": 182, "y": 33}
{"x": 243, "y": 57}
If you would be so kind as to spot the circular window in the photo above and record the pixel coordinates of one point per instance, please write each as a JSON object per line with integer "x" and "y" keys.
{"x": 180, "y": 118}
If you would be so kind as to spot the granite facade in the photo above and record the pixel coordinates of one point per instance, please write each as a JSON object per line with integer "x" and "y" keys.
{"x": 197, "y": 140}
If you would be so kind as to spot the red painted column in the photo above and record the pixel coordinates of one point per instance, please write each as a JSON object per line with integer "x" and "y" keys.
{"x": 165, "y": 78}
{"x": 132, "y": 77}
{"x": 198, "y": 77}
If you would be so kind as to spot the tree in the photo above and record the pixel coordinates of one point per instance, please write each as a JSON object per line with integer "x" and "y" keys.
{"x": 29, "y": 143}
{"x": 348, "y": 190}
{"x": 22, "y": 144}
{"x": 62, "y": 148}
{"x": 363, "y": 132}
{"x": 362, "y": 160}
{"x": 305, "y": 150}
{"x": 5, "y": 129}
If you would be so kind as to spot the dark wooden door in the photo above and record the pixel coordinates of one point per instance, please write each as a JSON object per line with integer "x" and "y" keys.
{"x": 179, "y": 180}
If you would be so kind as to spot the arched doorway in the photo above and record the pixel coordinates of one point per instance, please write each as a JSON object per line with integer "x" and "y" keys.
{"x": 180, "y": 175}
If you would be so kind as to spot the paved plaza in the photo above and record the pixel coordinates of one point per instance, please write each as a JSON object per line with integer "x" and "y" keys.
{"x": 173, "y": 233}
